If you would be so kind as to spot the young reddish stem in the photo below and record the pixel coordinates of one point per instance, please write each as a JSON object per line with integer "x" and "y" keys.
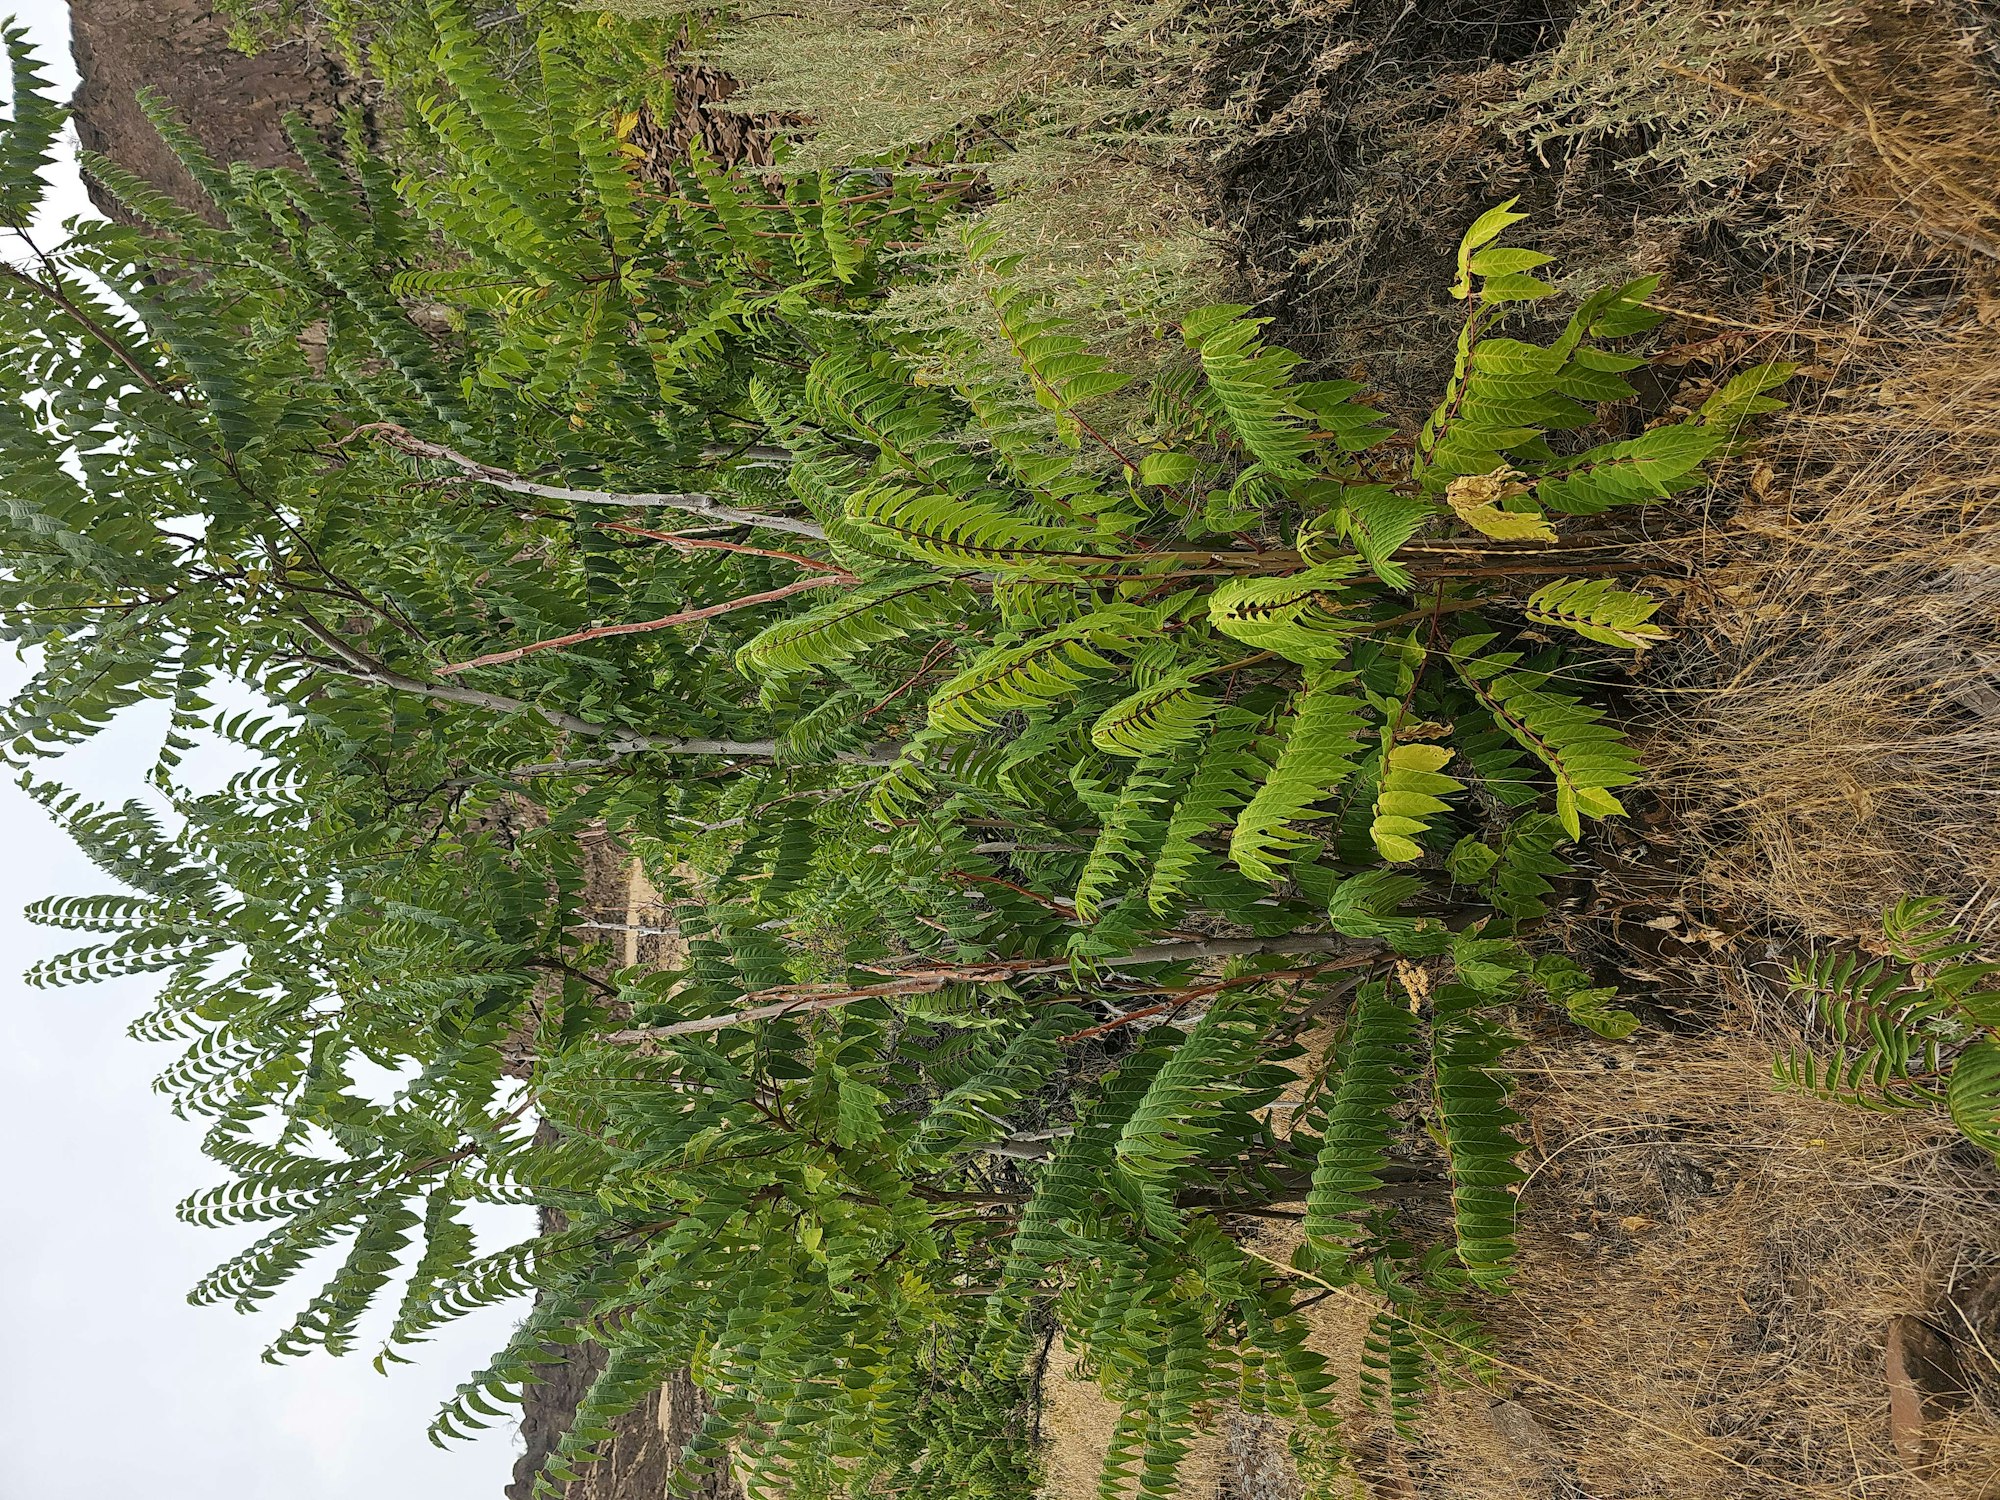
{"x": 935, "y": 655}
{"x": 692, "y": 543}
{"x": 1130, "y": 1017}
{"x": 1200, "y": 992}
{"x": 1061, "y": 908}
{"x": 639, "y": 627}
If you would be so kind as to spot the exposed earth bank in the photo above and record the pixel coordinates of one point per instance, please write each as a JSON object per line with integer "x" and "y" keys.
{"x": 179, "y": 49}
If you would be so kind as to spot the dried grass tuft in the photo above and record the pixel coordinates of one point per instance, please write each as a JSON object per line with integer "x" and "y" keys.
{"x": 1708, "y": 1272}
{"x": 1795, "y": 125}
{"x": 1831, "y": 733}
{"x": 1709, "y": 1269}
{"x": 1835, "y": 742}
{"x": 1078, "y": 114}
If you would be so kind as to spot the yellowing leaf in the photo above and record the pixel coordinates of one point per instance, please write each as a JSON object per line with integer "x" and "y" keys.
{"x": 1475, "y": 499}
{"x": 1505, "y": 525}
{"x": 1412, "y": 789}
{"x": 1598, "y": 611}
{"x": 1427, "y": 759}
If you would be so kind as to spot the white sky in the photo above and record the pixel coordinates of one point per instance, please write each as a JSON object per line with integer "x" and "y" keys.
{"x": 111, "y": 1384}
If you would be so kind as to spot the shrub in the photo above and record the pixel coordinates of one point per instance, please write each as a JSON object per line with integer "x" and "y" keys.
{"x": 1251, "y": 680}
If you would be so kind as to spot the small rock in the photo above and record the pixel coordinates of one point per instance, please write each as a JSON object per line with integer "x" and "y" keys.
{"x": 1918, "y": 1362}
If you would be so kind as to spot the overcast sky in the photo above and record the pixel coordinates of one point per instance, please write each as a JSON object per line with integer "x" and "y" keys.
{"x": 112, "y": 1387}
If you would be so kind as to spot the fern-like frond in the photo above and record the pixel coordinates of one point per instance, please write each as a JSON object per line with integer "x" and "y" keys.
{"x": 959, "y": 533}
{"x": 885, "y": 609}
{"x": 1410, "y": 791}
{"x": 1918, "y": 934}
{"x": 1479, "y": 236}
{"x": 1321, "y": 748}
{"x": 1519, "y": 881}
{"x": 1631, "y": 471}
{"x": 1062, "y": 371}
{"x": 1743, "y": 396}
{"x": 1166, "y": 1129}
{"x": 1597, "y": 610}
{"x": 1370, "y": 905}
{"x": 1306, "y": 617}
{"x": 1586, "y": 756}
{"x": 1375, "y": 1062}
{"x": 1131, "y": 828}
{"x": 1883, "y": 1043}
{"x": 1377, "y": 521}
{"x": 1225, "y": 777}
{"x": 1568, "y": 984}
{"x": 1155, "y": 719}
{"x": 1497, "y": 407}
{"x": 329, "y": 1320}
{"x": 1470, "y": 1088}
{"x": 1393, "y": 1370}
{"x": 28, "y": 138}
{"x": 966, "y": 1112}
{"x": 1252, "y": 387}
{"x": 1973, "y": 1095}
{"x": 1045, "y": 670}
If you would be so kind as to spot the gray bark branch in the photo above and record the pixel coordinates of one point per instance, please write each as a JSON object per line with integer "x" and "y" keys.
{"x": 692, "y": 502}
{"x": 365, "y": 668}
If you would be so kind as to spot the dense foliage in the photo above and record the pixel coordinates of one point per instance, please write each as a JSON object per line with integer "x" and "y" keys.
{"x": 1034, "y": 763}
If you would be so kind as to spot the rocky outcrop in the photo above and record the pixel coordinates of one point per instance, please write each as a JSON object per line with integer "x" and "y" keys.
{"x": 234, "y": 104}
{"x": 645, "y": 1443}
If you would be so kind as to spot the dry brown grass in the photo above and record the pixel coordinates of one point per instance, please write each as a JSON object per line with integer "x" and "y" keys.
{"x": 1708, "y": 1269}
{"x": 1836, "y": 738}
{"x": 1795, "y": 124}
